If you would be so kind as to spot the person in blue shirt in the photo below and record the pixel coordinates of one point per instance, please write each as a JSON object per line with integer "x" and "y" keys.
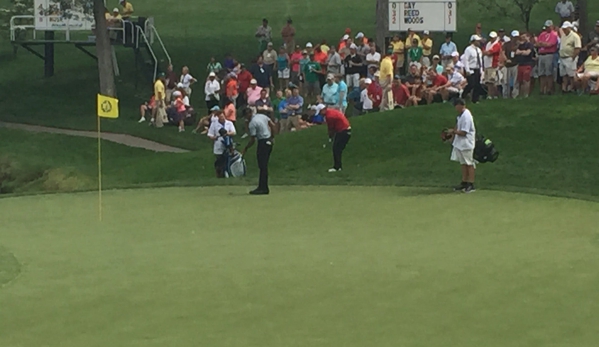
{"x": 447, "y": 49}
{"x": 284, "y": 112}
{"x": 330, "y": 91}
{"x": 342, "y": 104}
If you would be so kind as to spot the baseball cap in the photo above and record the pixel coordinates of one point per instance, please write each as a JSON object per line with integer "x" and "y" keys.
{"x": 368, "y": 81}
{"x": 319, "y": 108}
{"x": 475, "y": 38}
{"x": 330, "y": 77}
{"x": 269, "y": 44}
{"x": 436, "y": 57}
{"x": 597, "y": 23}
{"x": 397, "y": 77}
{"x": 449, "y": 68}
{"x": 345, "y": 37}
{"x": 390, "y": 50}
{"x": 353, "y": 46}
{"x": 180, "y": 85}
{"x": 115, "y": 10}
{"x": 304, "y": 52}
{"x": 309, "y": 45}
{"x": 377, "y": 74}
{"x": 567, "y": 25}
{"x": 176, "y": 93}
{"x": 548, "y": 23}
{"x": 253, "y": 81}
{"x": 426, "y": 32}
{"x": 215, "y": 108}
{"x": 360, "y": 35}
{"x": 455, "y": 54}
{"x": 492, "y": 34}
{"x": 515, "y": 33}
{"x": 212, "y": 74}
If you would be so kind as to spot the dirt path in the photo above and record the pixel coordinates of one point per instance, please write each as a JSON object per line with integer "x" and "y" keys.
{"x": 122, "y": 139}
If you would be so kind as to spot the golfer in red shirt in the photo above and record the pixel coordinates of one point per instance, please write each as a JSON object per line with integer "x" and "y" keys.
{"x": 339, "y": 134}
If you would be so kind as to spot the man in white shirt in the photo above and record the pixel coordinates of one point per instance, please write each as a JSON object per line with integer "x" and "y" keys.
{"x": 219, "y": 147}
{"x": 464, "y": 135}
{"x": 367, "y": 104}
{"x": 211, "y": 89}
{"x": 373, "y": 58}
{"x": 458, "y": 65}
{"x": 472, "y": 60}
{"x": 564, "y": 9}
{"x": 187, "y": 80}
{"x": 455, "y": 84}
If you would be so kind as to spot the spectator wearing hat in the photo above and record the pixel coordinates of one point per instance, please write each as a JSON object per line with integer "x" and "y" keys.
{"x": 353, "y": 67}
{"x": 447, "y": 49}
{"x": 312, "y": 70}
{"x": 385, "y": 80}
{"x": 261, "y": 130}
{"x": 342, "y": 45}
{"x": 503, "y": 38}
{"x": 401, "y": 93}
{"x": 214, "y": 134}
{"x": 565, "y": 9}
{"x": 410, "y": 39}
{"x": 205, "y": 122}
{"x": 294, "y": 61}
{"x": 334, "y": 62}
{"x": 339, "y": 130}
{"x": 375, "y": 92}
{"x": 170, "y": 82}
{"x": 288, "y": 35}
{"x": 244, "y": 78}
{"x": 330, "y": 91}
{"x": 472, "y": 66}
{"x": 547, "y": 44}
{"x": 309, "y": 47}
{"x": 463, "y": 146}
{"x": 363, "y": 47}
{"x": 365, "y": 101}
{"x": 212, "y": 89}
{"x": 457, "y": 63}
{"x": 436, "y": 64}
{"x": 427, "y": 48}
{"x": 302, "y": 76}
{"x": 187, "y": 80}
{"x": 570, "y": 46}
{"x": 253, "y": 94}
{"x": 262, "y": 74}
{"x": 510, "y": 63}
{"x": 525, "y": 57}
{"x": 491, "y": 63}
{"x": 399, "y": 52}
{"x": 127, "y": 9}
{"x": 282, "y": 67}
{"x": 264, "y": 35}
{"x": 455, "y": 85}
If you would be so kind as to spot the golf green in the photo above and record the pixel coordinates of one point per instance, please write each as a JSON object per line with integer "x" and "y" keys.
{"x": 305, "y": 266}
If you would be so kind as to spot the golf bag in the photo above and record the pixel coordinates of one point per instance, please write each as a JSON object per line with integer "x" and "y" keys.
{"x": 235, "y": 165}
{"x": 484, "y": 150}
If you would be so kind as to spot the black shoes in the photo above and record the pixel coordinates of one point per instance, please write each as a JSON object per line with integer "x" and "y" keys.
{"x": 465, "y": 187}
{"x": 259, "y": 192}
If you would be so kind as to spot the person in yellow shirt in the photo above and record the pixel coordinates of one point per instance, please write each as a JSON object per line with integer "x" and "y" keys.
{"x": 127, "y": 9}
{"x": 399, "y": 51}
{"x": 588, "y": 71}
{"x": 324, "y": 47}
{"x": 411, "y": 37}
{"x": 115, "y": 18}
{"x": 385, "y": 80}
{"x": 427, "y": 48}
{"x": 159, "y": 110}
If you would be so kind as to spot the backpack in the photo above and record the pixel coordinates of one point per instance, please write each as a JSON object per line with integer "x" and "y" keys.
{"x": 484, "y": 150}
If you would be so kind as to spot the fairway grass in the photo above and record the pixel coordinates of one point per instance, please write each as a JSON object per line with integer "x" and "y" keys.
{"x": 305, "y": 266}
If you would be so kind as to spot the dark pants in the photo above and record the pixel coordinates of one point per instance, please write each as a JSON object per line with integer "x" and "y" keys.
{"x": 220, "y": 165}
{"x": 263, "y": 154}
{"x": 474, "y": 86}
{"x": 339, "y": 142}
{"x": 211, "y": 103}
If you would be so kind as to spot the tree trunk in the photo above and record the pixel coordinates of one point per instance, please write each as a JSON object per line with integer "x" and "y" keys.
{"x": 103, "y": 51}
{"x": 382, "y": 22}
{"x": 584, "y": 18}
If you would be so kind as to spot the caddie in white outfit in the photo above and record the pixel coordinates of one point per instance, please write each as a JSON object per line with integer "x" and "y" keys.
{"x": 463, "y": 146}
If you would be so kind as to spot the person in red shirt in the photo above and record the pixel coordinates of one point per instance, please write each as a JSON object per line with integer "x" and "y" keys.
{"x": 243, "y": 80}
{"x": 438, "y": 81}
{"x": 491, "y": 62}
{"x": 339, "y": 133}
{"x": 401, "y": 93}
{"x": 231, "y": 91}
{"x": 375, "y": 92}
{"x": 294, "y": 59}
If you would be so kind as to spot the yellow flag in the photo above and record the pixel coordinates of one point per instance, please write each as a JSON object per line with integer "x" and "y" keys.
{"x": 108, "y": 107}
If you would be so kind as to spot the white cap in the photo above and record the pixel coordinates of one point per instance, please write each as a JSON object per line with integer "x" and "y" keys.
{"x": 253, "y": 81}
{"x": 575, "y": 28}
{"x": 330, "y": 77}
{"x": 345, "y": 37}
{"x": 567, "y": 25}
{"x": 377, "y": 74}
{"x": 436, "y": 57}
{"x": 309, "y": 45}
{"x": 176, "y": 93}
{"x": 368, "y": 81}
{"x": 360, "y": 35}
{"x": 180, "y": 85}
{"x": 212, "y": 74}
{"x": 455, "y": 54}
{"x": 492, "y": 34}
{"x": 548, "y": 23}
{"x": 426, "y": 32}
{"x": 515, "y": 33}
{"x": 319, "y": 108}
{"x": 353, "y": 46}
{"x": 475, "y": 38}
{"x": 115, "y": 10}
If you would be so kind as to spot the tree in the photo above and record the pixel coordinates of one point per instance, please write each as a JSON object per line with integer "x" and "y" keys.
{"x": 17, "y": 8}
{"x": 103, "y": 51}
{"x": 520, "y": 9}
{"x": 584, "y": 17}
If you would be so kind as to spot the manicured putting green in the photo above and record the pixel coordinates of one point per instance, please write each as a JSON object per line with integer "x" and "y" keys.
{"x": 306, "y": 266}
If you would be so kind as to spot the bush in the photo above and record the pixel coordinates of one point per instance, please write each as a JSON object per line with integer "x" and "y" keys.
{"x": 61, "y": 180}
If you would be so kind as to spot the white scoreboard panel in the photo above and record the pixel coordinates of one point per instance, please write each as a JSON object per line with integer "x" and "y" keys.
{"x": 420, "y": 15}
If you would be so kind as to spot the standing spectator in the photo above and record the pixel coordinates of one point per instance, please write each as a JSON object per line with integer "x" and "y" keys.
{"x": 399, "y": 52}
{"x": 334, "y": 63}
{"x": 353, "y": 67}
{"x": 288, "y": 35}
{"x": 410, "y": 39}
{"x": 311, "y": 72}
{"x": 243, "y": 78}
{"x": 229, "y": 63}
{"x": 375, "y": 92}
{"x": 490, "y": 63}
{"x": 472, "y": 66}
{"x": 386, "y": 79}
{"x": 446, "y": 51}
{"x": 212, "y": 89}
{"x": 302, "y": 76}
{"x": 547, "y": 43}
{"x": 309, "y": 47}
{"x": 294, "y": 61}
{"x": 427, "y": 48}
{"x": 330, "y": 91}
{"x": 261, "y": 129}
{"x": 159, "y": 111}
{"x": 415, "y": 54}
{"x": 463, "y": 146}
{"x": 373, "y": 59}
{"x": 283, "y": 72}
{"x": 324, "y": 47}
{"x": 363, "y": 47}
{"x": 269, "y": 57}
{"x": 339, "y": 133}
{"x": 171, "y": 82}
{"x": 341, "y": 48}
{"x": 564, "y": 9}
{"x": 187, "y": 80}
{"x": 230, "y": 111}
{"x": 570, "y": 46}
{"x": 365, "y": 100}
{"x": 593, "y": 39}
{"x": 180, "y": 107}
{"x": 295, "y": 103}
{"x": 343, "y": 91}
{"x": 321, "y": 58}
{"x": 502, "y": 37}
{"x": 264, "y": 105}
{"x": 264, "y": 35}
{"x": 510, "y": 85}
{"x": 525, "y": 58}
{"x": 219, "y": 148}
{"x": 401, "y": 93}
{"x": 282, "y": 111}
{"x": 214, "y": 66}
{"x": 262, "y": 73}
{"x": 253, "y": 93}
{"x": 127, "y": 9}
{"x": 232, "y": 88}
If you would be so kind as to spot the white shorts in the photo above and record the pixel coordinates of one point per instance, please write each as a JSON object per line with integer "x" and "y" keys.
{"x": 284, "y": 74}
{"x": 567, "y": 66}
{"x": 353, "y": 80}
{"x": 453, "y": 90}
{"x": 463, "y": 157}
{"x": 589, "y": 74}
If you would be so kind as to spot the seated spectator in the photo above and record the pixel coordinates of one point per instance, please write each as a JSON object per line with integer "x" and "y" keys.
{"x": 294, "y": 107}
{"x": 454, "y": 86}
{"x": 413, "y": 76}
{"x": 416, "y": 93}
{"x": 365, "y": 101}
{"x": 263, "y": 104}
{"x": 401, "y": 93}
{"x": 375, "y": 92}
{"x": 589, "y": 71}
{"x": 437, "y": 64}
{"x": 145, "y": 109}
{"x": 438, "y": 82}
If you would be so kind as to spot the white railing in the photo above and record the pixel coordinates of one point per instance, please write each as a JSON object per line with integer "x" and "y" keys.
{"x": 141, "y": 34}
{"x": 161, "y": 43}
{"x": 14, "y": 27}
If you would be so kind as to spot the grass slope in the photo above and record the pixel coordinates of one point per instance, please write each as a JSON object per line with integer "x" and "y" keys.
{"x": 545, "y": 149}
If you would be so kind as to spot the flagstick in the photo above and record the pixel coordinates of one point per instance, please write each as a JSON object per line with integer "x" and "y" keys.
{"x": 99, "y": 172}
